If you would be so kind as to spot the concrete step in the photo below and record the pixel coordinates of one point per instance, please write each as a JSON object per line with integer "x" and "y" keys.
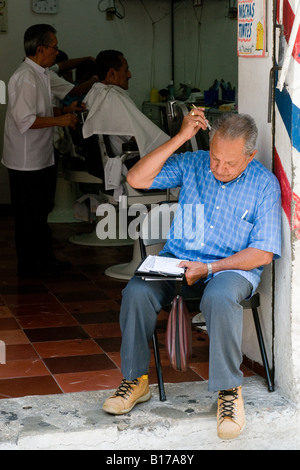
{"x": 186, "y": 421}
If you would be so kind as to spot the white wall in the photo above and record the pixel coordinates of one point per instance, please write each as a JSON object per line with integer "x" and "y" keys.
{"x": 144, "y": 36}
{"x": 253, "y": 99}
{"x": 205, "y": 44}
{"x": 83, "y": 30}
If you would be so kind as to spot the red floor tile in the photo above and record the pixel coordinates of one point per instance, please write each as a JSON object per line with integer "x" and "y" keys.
{"x": 8, "y": 324}
{"x": 38, "y": 309}
{"x": 72, "y": 364}
{"x": 89, "y": 381}
{"x": 23, "y": 368}
{"x": 17, "y": 352}
{"x": 104, "y": 330}
{"x": 5, "y": 312}
{"x": 13, "y": 388}
{"x": 14, "y": 337}
{"x": 28, "y": 299}
{"x": 77, "y": 347}
{"x": 46, "y": 321}
{"x": 109, "y": 345}
{"x": 36, "y": 335}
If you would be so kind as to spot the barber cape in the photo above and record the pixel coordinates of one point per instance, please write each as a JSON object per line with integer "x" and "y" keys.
{"x": 112, "y": 112}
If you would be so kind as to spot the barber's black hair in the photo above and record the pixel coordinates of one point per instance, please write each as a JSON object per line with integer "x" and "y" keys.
{"x": 35, "y": 36}
{"x": 85, "y": 70}
{"x": 106, "y": 60}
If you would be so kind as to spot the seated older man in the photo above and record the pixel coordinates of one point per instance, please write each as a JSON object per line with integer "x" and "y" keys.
{"x": 242, "y": 233}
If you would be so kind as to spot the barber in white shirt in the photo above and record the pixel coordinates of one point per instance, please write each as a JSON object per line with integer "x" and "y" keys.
{"x": 28, "y": 150}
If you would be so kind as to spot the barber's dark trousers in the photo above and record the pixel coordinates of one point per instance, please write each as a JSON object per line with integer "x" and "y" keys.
{"x": 32, "y": 200}
{"x": 220, "y": 305}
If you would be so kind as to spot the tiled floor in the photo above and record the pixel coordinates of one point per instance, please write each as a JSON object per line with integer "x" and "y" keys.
{"x": 63, "y": 335}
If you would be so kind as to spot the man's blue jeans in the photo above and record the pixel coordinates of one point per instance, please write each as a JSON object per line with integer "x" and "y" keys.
{"x": 220, "y": 305}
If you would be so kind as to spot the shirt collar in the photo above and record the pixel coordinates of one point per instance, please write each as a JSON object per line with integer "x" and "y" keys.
{"x": 36, "y": 66}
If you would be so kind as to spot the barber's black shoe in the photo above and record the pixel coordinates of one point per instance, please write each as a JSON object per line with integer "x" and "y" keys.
{"x": 58, "y": 264}
{"x": 26, "y": 273}
{"x": 44, "y": 272}
{"x": 48, "y": 272}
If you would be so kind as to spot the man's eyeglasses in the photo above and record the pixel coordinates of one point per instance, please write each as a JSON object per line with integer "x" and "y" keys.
{"x": 52, "y": 47}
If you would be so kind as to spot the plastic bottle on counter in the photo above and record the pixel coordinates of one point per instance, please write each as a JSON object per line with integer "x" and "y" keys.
{"x": 154, "y": 96}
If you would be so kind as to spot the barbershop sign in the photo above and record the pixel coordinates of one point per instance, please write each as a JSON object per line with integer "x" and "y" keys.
{"x": 251, "y": 28}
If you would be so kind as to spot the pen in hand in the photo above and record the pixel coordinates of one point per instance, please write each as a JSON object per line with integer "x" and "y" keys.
{"x": 207, "y": 123}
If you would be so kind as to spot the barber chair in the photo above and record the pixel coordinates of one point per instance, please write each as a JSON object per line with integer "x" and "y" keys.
{"x": 176, "y": 111}
{"x": 93, "y": 173}
{"x": 151, "y": 245}
{"x": 66, "y": 191}
{"x": 96, "y": 151}
{"x": 92, "y": 149}
{"x": 65, "y": 194}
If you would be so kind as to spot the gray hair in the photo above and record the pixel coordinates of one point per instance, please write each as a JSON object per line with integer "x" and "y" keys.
{"x": 234, "y": 126}
{"x": 37, "y": 35}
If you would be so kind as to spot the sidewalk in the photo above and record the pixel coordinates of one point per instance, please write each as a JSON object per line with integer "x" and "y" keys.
{"x": 186, "y": 421}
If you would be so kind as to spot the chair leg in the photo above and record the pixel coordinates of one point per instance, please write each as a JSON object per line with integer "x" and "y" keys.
{"x": 160, "y": 380}
{"x": 262, "y": 349}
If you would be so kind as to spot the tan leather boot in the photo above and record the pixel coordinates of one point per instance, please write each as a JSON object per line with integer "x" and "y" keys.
{"x": 129, "y": 393}
{"x": 231, "y": 414}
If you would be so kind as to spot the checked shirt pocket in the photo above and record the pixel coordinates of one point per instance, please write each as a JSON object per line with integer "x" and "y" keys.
{"x": 233, "y": 234}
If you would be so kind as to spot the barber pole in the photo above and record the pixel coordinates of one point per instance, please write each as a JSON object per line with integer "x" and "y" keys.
{"x": 287, "y": 169}
{"x": 287, "y": 112}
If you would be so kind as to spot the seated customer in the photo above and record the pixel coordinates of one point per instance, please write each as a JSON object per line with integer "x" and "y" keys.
{"x": 112, "y": 112}
{"x": 242, "y": 233}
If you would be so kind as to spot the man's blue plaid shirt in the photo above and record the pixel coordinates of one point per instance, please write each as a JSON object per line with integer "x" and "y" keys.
{"x": 245, "y": 212}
